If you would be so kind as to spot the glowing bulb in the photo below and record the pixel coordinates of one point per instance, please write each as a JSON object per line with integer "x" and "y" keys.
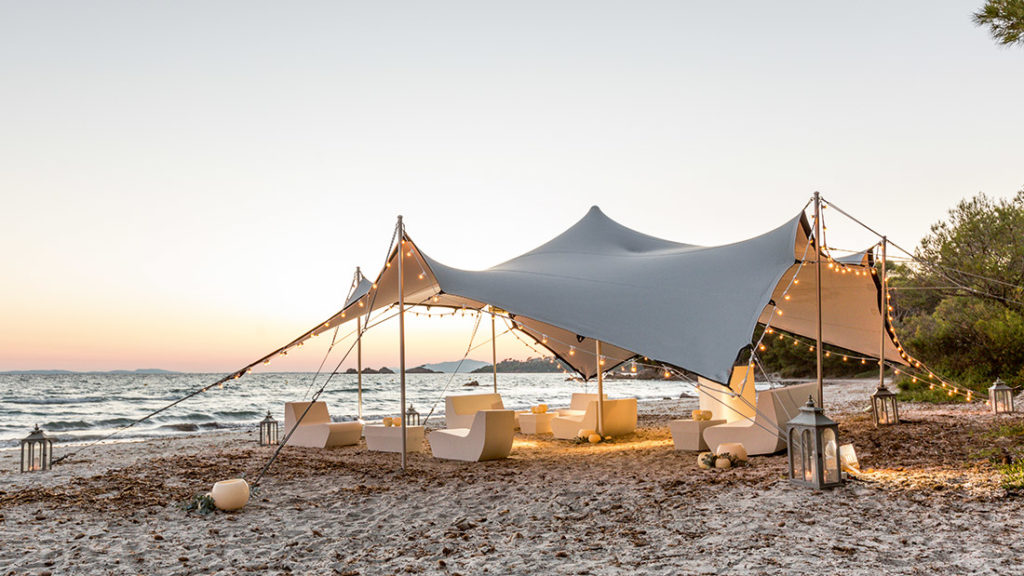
{"x": 786, "y": 297}
{"x": 762, "y": 347}
{"x": 667, "y": 375}
{"x": 601, "y": 361}
{"x": 572, "y": 350}
{"x": 845, "y": 358}
{"x": 796, "y": 281}
{"x": 360, "y": 303}
{"x": 863, "y": 361}
{"x": 421, "y": 276}
{"x": 827, "y": 353}
{"x": 778, "y": 311}
{"x": 770, "y": 330}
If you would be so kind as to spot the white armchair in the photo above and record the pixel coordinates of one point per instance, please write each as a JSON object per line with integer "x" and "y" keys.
{"x": 489, "y": 437}
{"x": 316, "y": 430}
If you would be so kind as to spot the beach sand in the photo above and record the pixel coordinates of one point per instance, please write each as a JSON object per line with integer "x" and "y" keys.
{"x": 930, "y": 501}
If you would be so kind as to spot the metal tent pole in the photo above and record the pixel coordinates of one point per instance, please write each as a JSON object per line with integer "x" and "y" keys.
{"x": 600, "y": 389}
{"x": 359, "y": 363}
{"x": 494, "y": 351}
{"x": 817, "y": 281}
{"x": 885, "y": 312}
{"x": 401, "y": 331}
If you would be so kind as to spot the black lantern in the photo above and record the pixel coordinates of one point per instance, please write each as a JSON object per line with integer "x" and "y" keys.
{"x": 884, "y": 407}
{"x": 36, "y": 451}
{"x": 813, "y": 440}
{"x": 412, "y": 417}
{"x": 1000, "y": 396}
{"x": 269, "y": 431}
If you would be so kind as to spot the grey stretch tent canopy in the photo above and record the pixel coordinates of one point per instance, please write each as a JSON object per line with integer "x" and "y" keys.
{"x": 694, "y": 307}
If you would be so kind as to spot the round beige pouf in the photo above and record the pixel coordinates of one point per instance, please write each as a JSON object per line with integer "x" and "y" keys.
{"x": 230, "y": 494}
{"x": 734, "y": 448}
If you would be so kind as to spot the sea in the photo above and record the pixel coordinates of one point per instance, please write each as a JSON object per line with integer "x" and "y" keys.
{"x": 80, "y": 408}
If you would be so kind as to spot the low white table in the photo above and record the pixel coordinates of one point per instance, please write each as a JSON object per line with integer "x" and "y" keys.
{"x": 536, "y": 423}
{"x": 689, "y": 434}
{"x": 381, "y": 438}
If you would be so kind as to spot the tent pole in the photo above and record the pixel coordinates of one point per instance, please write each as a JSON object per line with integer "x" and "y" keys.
{"x": 885, "y": 313}
{"x": 494, "y": 351}
{"x": 359, "y": 363}
{"x": 600, "y": 389}
{"x": 401, "y": 332}
{"x": 817, "y": 281}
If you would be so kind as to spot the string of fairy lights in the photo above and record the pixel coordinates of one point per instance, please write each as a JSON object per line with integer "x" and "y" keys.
{"x": 914, "y": 368}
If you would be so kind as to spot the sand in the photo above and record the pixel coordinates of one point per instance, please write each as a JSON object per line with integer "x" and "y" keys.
{"x": 930, "y": 502}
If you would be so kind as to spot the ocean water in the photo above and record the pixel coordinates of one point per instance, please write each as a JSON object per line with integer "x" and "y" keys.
{"x": 85, "y": 407}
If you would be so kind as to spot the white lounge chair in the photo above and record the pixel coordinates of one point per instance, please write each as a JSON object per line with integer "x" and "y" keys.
{"x": 316, "y": 430}
{"x": 733, "y": 403}
{"x": 578, "y": 404}
{"x": 619, "y": 419}
{"x": 489, "y": 437}
{"x": 775, "y": 407}
{"x": 460, "y": 410}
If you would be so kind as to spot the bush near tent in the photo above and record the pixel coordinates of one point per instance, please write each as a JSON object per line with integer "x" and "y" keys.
{"x": 973, "y": 334}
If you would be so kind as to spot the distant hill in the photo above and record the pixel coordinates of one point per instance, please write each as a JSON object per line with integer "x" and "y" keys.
{"x": 528, "y": 366}
{"x": 468, "y": 365}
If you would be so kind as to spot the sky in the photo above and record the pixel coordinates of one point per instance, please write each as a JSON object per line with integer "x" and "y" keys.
{"x": 190, "y": 185}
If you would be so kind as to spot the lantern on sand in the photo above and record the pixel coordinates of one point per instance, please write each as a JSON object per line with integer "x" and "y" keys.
{"x": 884, "y": 407}
{"x": 813, "y": 440}
{"x": 412, "y": 417}
{"x": 1000, "y": 396}
{"x": 36, "y": 451}
{"x": 269, "y": 431}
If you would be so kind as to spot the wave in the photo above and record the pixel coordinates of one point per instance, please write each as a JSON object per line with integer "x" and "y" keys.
{"x": 86, "y": 400}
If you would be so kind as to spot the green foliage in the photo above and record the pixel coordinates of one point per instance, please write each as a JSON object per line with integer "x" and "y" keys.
{"x": 789, "y": 360}
{"x": 200, "y": 503}
{"x": 1013, "y": 476}
{"x": 920, "y": 392}
{"x": 1004, "y": 19}
{"x": 530, "y": 365}
{"x": 962, "y": 311}
{"x": 1007, "y": 431}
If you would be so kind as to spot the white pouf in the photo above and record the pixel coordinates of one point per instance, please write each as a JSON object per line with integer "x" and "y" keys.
{"x": 734, "y": 448}
{"x": 230, "y": 494}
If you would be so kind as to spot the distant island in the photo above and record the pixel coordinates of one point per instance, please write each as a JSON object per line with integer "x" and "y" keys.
{"x": 530, "y": 366}
{"x": 383, "y": 370}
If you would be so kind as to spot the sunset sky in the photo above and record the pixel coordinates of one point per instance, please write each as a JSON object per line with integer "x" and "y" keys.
{"x": 189, "y": 185}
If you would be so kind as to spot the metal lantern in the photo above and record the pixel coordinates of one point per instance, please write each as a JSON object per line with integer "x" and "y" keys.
{"x": 813, "y": 440}
{"x": 412, "y": 417}
{"x": 885, "y": 407}
{"x": 269, "y": 431}
{"x": 1000, "y": 396}
{"x": 36, "y": 451}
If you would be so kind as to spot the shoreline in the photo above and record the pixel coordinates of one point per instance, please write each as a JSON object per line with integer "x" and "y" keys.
{"x": 925, "y": 502}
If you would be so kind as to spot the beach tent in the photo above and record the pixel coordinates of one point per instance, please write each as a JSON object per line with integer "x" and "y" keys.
{"x": 600, "y": 283}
